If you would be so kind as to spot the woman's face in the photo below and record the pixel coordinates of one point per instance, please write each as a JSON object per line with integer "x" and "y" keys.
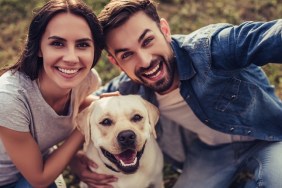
{"x": 67, "y": 49}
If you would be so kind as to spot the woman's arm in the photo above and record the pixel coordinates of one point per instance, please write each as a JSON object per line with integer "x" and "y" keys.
{"x": 26, "y": 155}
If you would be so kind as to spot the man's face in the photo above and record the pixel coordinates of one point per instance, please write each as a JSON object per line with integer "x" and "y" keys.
{"x": 142, "y": 50}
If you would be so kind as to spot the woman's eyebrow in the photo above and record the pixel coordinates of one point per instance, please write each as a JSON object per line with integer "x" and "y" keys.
{"x": 62, "y": 39}
{"x": 57, "y": 38}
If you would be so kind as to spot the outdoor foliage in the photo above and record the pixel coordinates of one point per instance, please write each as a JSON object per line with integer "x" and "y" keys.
{"x": 184, "y": 16}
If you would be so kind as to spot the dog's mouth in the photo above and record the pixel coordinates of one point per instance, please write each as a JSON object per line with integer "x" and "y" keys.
{"x": 127, "y": 161}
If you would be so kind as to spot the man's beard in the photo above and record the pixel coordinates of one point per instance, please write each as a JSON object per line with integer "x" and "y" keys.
{"x": 165, "y": 83}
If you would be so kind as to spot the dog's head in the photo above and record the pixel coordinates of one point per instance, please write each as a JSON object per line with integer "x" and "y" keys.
{"x": 119, "y": 127}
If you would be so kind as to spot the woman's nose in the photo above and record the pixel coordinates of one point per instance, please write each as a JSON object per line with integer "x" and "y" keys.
{"x": 71, "y": 56}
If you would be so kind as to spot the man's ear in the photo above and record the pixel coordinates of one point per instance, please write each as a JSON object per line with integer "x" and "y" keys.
{"x": 112, "y": 59}
{"x": 164, "y": 26}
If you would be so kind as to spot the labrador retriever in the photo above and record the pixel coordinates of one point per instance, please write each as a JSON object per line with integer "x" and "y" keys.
{"x": 120, "y": 137}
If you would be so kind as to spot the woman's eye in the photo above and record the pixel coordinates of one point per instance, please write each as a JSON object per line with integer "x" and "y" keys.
{"x": 83, "y": 45}
{"x": 106, "y": 122}
{"x": 136, "y": 118}
{"x": 56, "y": 43}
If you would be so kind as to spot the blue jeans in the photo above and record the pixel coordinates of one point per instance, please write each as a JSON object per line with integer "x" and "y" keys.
{"x": 218, "y": 166}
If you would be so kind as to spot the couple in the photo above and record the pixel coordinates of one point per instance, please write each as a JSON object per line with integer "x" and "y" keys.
{"x": 219, "y": 114}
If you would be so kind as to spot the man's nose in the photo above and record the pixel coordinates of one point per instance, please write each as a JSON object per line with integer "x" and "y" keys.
{"x": 71, "y": 55}
{"x": 145, "y": 59}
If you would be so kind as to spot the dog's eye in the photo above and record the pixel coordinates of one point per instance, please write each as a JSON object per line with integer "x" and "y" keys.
{"x": 106, "y": 122}
{"x": 136, "y": 118}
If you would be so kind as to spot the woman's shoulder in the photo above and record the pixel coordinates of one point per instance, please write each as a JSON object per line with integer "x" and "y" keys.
{"x": 14, "y": 100}
{"x": 14, "y": 84}
{"x": 90, "y": 84}
{"x": 11, "y": 80}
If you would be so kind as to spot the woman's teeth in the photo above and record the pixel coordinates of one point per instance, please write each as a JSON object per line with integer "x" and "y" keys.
{"x": 68, "y": 71}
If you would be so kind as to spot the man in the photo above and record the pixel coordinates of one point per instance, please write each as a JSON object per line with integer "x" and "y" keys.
{"x": 210, "y": 83}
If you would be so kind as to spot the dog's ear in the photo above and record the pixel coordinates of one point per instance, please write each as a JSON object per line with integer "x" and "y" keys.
{"x": 153, "y": 113}
{"x": 83, "y": 123}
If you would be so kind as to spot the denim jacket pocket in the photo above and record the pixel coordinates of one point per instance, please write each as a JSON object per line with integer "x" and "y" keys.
{"x": 236, "y": 97}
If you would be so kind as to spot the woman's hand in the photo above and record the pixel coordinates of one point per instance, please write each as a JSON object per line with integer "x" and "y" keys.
{"x": 26, "y": 155}
{"x": 81, "y": 164}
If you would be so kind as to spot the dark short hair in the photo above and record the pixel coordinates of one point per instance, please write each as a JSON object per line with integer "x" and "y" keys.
{"x": 29, "y": 62}
{"x": 117, "y": 12}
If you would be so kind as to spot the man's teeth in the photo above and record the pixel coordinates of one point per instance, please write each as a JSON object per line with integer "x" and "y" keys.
{"x": 131, "y": 164}
{"x": 68, "y": 71}
{"x": 150, "y": 73}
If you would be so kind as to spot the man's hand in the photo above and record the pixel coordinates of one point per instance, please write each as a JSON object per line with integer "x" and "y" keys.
{"x": 80, "y": 166}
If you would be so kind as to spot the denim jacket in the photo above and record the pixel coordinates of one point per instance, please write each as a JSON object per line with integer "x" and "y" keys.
{"x": 221, "y": 78}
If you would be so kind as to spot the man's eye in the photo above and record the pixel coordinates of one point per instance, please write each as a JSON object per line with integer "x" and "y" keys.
{"x": 147, "y": 41}
{"x": 106, "y": 122}
{"x": 136, "y": 118}
{"x": 126, "y": 55}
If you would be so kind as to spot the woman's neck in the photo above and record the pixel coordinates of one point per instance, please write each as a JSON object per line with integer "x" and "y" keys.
{"x": 57, "y": 98}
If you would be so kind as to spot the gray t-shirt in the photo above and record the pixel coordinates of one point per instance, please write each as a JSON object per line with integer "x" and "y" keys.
{"x": 22, "y": 108}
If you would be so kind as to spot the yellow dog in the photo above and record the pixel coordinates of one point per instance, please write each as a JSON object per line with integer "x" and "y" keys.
{"x": 120, "y": 138}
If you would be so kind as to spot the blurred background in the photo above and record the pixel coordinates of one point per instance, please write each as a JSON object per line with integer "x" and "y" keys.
{"x": 184, "y": 16}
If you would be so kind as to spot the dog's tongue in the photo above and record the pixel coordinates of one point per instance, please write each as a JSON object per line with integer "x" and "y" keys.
{"x": 127, "y": 157}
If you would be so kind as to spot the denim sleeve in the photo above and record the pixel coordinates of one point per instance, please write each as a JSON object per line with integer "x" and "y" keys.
{"x": 112, "y": 86}
{"x": 249, "y": 43}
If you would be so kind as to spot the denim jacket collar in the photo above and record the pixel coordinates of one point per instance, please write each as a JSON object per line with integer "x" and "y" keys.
{"x": 185, "y": 67}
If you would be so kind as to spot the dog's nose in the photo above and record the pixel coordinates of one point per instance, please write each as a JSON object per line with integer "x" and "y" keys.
{"x": 126, "y": 138}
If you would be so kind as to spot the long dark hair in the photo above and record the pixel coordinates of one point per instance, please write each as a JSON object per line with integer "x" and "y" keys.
{"x": 29, "y": 62}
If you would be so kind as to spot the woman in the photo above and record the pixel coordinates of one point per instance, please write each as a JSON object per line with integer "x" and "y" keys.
{"x": 37, "y": 93}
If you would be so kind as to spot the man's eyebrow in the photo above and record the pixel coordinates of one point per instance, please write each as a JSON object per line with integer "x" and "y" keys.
{"x": 120, "y": 50}
{"x": 139, "y": 40}
{"x": 143, "y": 35}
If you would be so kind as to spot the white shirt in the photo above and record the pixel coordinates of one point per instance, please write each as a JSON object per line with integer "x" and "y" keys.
{"x": 173, "y": 107}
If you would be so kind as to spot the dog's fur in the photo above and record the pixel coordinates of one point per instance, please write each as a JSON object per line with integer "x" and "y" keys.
{"x": 121, "y": 128}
